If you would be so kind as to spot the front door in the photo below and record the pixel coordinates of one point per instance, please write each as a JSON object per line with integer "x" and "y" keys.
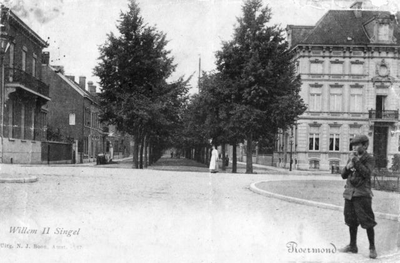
{"x": 380, "y": 146}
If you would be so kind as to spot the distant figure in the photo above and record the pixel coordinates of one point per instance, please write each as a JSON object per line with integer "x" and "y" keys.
{"x": 172, "y": 154}
{"x": 214, "y": 160}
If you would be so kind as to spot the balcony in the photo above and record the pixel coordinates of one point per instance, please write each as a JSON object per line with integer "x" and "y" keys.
{"x": 384, "y": 115}
{"x": 18, "y": 78}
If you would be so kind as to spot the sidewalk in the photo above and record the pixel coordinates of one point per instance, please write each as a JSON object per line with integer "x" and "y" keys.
{"x": 12, "y": 173}
{"x": 286, "y": 170}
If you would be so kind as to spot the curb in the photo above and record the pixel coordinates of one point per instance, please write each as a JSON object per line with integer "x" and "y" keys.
{"x": 31, "y": 179}
{"x": 257, "y": 190}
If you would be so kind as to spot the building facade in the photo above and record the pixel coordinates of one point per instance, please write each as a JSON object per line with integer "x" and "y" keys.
{"x": 74, "y": 112}
{"x": 350, "y": 68}
{"x": 24, "y": 96}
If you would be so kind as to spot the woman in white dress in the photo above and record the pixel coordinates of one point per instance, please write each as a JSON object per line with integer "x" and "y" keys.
{"x": 214, "y": 160}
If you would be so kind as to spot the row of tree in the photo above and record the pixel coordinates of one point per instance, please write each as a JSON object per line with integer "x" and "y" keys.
{"x": 253, "y": 93}
{"x": 136, "y": 96}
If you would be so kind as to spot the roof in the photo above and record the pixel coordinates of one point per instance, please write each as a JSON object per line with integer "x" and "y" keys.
{"x": 299, "y": 33}
{"x": 14, "y": 18}
{"x": 74, "y": 85}
{"x": 340, "y": 27}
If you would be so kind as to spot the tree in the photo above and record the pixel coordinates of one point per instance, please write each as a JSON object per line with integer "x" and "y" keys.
{"x": 133, "y": 70}
{"x": 261, "y": 82}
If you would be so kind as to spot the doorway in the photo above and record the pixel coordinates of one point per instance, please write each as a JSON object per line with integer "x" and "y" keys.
{"x": 380, "y": 146}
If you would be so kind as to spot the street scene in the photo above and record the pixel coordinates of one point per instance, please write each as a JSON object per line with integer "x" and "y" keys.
{"x": 199, "y": 131}
{"x": 177, "y": 211}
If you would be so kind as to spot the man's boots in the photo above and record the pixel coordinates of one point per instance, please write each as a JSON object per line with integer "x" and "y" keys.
{"x": 352, "y": 247}
{"x": 371, "y": 239}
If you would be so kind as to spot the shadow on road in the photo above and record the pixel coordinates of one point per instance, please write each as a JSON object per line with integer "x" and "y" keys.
{"x": 181, "y": 164}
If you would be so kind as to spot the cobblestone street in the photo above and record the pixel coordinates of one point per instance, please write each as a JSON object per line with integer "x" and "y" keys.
{"x": 117, "y": 214}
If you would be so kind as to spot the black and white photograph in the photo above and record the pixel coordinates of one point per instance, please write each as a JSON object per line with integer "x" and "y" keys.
{"x": 199, "y": 131}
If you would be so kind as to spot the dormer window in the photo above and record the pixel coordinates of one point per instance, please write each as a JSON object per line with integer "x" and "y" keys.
{"x": 380, "y": 29}
{"x": 383, "y": 32}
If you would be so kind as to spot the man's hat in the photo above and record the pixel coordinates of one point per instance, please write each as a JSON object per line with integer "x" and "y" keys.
{"x": 359, "y": 139}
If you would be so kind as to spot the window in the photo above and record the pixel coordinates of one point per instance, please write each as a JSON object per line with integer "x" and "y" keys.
{"x": 383, "y": 32}
{"x": 336, "y": 68}
{"x": 315, "y": 102}
{"x": 356, "y": 99}
{"x": 336, "y": 102}
{"x": 313, "y": 142}
{"x": 34, "y": 66}
{"x": 72, "y": 119}
{"x": 351, "y": 138}
{"x": 23, "y": 60}
{"x": 357, "y": 69}
{"x": 334, "y": 142}
{"x": 315, "y": 97}
{"x": 314, "y": 164}
{"x": 12, "y": 46}
{"x": 316, "y": 67}
{"x": 336, "y": 99}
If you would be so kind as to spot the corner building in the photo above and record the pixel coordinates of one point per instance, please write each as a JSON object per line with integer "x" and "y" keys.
{"x": 24, "y": 97}
{"x": 350, "y": 69}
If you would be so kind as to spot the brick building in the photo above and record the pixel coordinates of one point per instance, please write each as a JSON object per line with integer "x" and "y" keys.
{"x": 74, "y": 112}
{"x": 350, "y": 67}
{"x": 24, "y": 95}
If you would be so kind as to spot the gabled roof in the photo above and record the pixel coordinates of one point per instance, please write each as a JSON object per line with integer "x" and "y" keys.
{"x": 341, "y": 27}
{"x": 75, "y": 86}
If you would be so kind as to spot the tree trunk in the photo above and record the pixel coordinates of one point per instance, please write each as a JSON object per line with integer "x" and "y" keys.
{"x": 145, "y": 151}
{"x": 223, "y": 167}
{"x": 141, "y": 153}
{"x": 151, "y": 158}
{"x": 135, "y": 152}
{"x": 249, "y": 154}
{"x": 234, "y": 158}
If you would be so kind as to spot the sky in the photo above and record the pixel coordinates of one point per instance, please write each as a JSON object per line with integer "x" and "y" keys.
{"x": 195, "y": 29}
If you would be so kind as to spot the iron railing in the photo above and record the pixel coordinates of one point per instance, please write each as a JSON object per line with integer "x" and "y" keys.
{"x": 384, "y": 114}
{"x": 14, "y": 75}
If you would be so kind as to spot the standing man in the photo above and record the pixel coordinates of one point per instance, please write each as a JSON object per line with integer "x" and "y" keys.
{"x": 358, "y": 194}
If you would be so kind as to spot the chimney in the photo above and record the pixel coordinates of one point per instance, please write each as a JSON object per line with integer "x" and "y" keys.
{"x": 58, "y": 69}
{"x": 71, "y": 77}
{"x": 91, "y": 87}
{"x": 357, "y": 7}
{"x": 45, "y": 58}
{"x": 82, "y": 82}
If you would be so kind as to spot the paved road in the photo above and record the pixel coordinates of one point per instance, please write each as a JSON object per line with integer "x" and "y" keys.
{"x": 117, "y": 214}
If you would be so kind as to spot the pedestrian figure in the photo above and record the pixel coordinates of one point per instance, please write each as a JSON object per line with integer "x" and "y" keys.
{"x": 358, "y": 194}
{"x": 214, "y": 160}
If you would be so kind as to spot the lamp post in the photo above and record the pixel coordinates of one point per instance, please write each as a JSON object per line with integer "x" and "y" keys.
{"x": 4, "y": 44}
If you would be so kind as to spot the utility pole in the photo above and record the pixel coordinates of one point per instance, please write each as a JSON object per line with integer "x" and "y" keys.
{"x": 199, "y": 73}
